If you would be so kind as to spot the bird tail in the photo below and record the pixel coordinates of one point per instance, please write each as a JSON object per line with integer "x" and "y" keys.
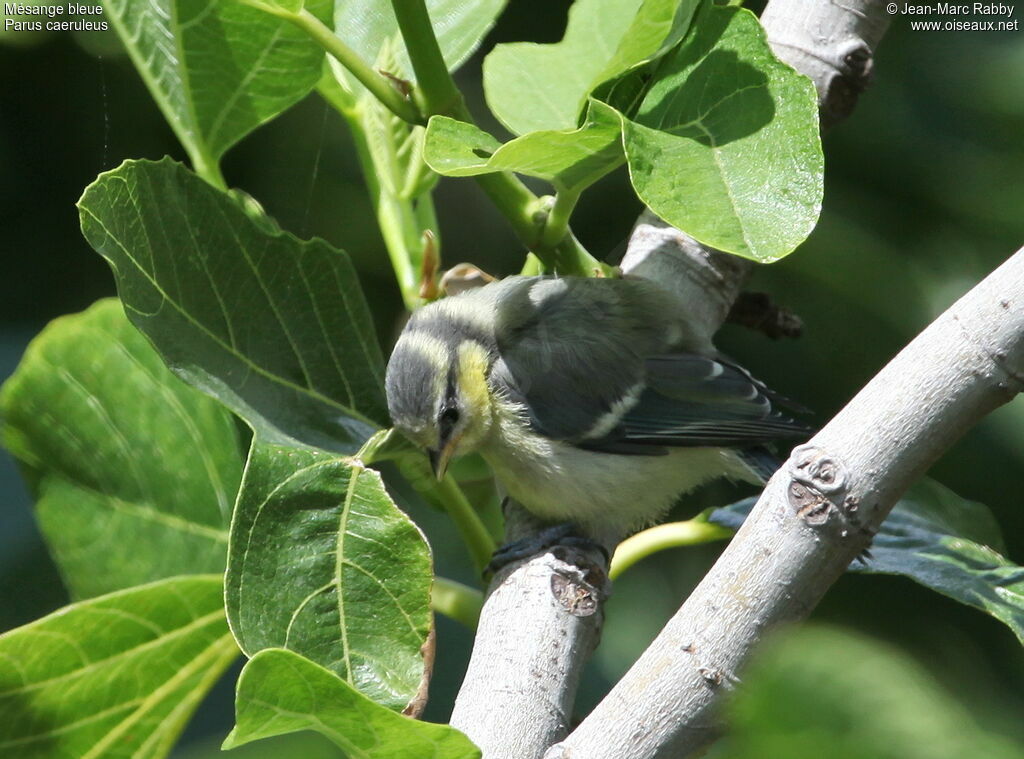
{"x": 761, "y": 461}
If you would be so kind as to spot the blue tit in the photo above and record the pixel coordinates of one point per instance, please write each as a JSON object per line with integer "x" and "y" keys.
{"x": 591, "y": 399}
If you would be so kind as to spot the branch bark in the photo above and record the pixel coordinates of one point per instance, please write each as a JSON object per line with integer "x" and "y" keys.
{"x": 831, "y": 42}
{"x": 530, "y": 648}
{"x": 815, "y": 516}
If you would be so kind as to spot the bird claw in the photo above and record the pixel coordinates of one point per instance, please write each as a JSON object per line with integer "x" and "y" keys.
{"x": 549, "y": 537}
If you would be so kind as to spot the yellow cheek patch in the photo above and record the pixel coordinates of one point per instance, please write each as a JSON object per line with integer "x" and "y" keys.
{"x": 474, "y": 361}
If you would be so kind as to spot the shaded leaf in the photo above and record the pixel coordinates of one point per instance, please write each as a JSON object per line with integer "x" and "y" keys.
{"x": 532, "y": 87}
{"x": 275, "y": 328}
{"x": 134, "y": 472}
{"x": 818, "y": 692}
{"x": 725, "y": 145}
{"x": 116, "y": 676}
{"x": 943, "y": 542}
{"x": 323, "y": 563}
{"x": 571, "y": 158}
{"x": 217, "y": 69}
{"x": 320, "y": 559}
{"x": 281, "y": 692}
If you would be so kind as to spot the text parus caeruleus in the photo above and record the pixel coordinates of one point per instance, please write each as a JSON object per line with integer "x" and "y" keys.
{"x": 591, "y": 399}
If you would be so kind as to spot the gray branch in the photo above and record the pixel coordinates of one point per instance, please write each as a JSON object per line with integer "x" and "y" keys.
{"x": 532, "y": 641}
{"x": 539, "y": 625}
{"x": 831, "y": 42}
{"x": 815, "y": 516}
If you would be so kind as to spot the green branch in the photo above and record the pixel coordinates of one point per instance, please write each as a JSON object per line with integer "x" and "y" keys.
{"x": 206, "y": 167}
{"x": 378, "y": 85}
{"x": 474, "y": 532}
{"x": 435, "y": 88}
{"x": 437, "y": 94}
{"x": 456, "y": 601}
{"x": 556, "y": 226}
{"x": 448, "y": 496}
{"x": 693, "y": 532}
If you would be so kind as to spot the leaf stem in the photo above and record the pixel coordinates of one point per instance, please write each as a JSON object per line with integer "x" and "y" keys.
{"x": 378, "y": 85}
{"x": 438, "y": 95}
{"x": 435, "y": 88}
{"x": 448, "y": 495}
{"x": 692, "y": 532}
{"x": 208, "y": 168}
{"x": 474, "y": 532}
{"x": 557, "y": 224}
{"x": 456, "y": 601}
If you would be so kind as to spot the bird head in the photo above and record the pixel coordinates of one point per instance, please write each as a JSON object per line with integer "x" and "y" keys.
{"x": 437, "y": 388}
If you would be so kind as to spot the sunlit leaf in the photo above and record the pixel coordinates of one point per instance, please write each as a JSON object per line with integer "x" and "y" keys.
{"x": 275, "y": 328}
{"x": 533, "y": 87}
{"x": 725, "y": 144}
{"x": 323, "y": 563}
{"x": 134, "y": 472}
{"x": 281, "y": 692}
{"x": 217, "y": 69}
{"x": 571, "y": 158}
{"x": 115, "y": 676}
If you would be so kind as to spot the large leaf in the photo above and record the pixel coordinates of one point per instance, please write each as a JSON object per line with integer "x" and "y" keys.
{"x": 942, "y": 541}
{"x": 323, "y": 563}
{"x": 116, "y": 676}
{"x": 320, "y": 559}
{"x": 569, "y": 159}
{"x": 819, "y": 692}
{"x": 275, "y": 328}
{"x": 725, "y": 145}
{"x": 281, "y": 692}
{"x": 217, "y": 69}
{"x": 369, "y": 27}
{"x": 134, "y": 472}
{"x": 532, "y": 87}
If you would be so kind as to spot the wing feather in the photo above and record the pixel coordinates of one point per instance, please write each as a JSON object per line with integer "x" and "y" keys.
{"x": 628, "y": 389}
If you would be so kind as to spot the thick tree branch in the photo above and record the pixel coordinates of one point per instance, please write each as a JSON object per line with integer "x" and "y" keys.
{"x": 529, "y": 650}
{"x": 831, "y": 42}
{"x": 815, "y": 516}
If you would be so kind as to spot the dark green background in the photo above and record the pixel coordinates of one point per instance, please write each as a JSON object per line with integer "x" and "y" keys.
{"x": 924, "y": 195}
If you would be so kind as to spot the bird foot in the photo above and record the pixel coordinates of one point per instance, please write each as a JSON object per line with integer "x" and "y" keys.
{"x": 549, "y": 537}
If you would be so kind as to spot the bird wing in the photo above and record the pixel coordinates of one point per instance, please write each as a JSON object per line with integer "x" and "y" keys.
{"x": 571, "y": 351}
{"x": 693, "y": 400}
{"x": 589, "y": 361}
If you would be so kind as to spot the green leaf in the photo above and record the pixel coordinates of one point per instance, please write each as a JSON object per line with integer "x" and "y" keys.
{"x": 275, "y": 328}
{"x": 369, "y": 27}
{"x": 569, "y": 159}
{"x": 116, "y": 676}
{"x": 281, "y": 692}
{"x": 134, "y": 472}
{"x": 942, "y": 541}
{"x": 725, "y": 145}
{"x": 819, "y": 692}
{"x": 217, "y": 69}
{"x": 658, "y": 26}
{"x": 323, "y": 563}
{"x": 320, "y": 559}
{"x": 532, "y": 87}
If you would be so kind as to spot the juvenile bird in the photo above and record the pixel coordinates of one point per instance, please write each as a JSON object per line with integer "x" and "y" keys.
{"x": 591, "y": 399}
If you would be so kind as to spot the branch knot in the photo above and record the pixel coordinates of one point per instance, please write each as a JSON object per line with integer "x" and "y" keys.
{"x": 817, "y": 489}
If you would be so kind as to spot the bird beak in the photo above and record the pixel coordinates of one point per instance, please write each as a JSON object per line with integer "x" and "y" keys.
{"x": 439, "y": 459}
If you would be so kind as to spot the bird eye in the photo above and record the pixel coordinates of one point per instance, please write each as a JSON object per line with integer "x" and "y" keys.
{"x": 449, "y": 416}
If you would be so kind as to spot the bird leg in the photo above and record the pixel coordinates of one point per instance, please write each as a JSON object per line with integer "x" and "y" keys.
{"x": 565, "y": 534}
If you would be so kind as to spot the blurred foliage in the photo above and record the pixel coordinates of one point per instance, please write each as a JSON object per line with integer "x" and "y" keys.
{"x": 820, "y": 692}
{"x": 923, "y": 197}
